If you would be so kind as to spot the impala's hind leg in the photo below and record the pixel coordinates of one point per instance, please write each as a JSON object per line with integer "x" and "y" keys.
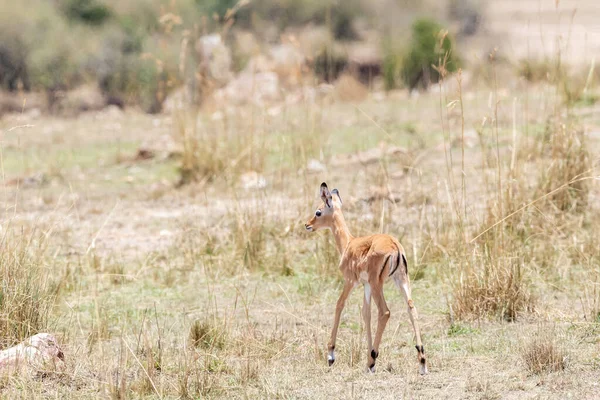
{"x": 382, "y": 319}
{"x": 403, "y": 284}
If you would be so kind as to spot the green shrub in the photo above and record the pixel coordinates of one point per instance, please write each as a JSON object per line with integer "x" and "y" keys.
{"x": 144, "y": 14}
{"x": 469, "y": 15}
{"x": 56, "y": 67}
{"x": 18, "y": 28}
{"x": 133, "y": 69}
{"x": 219, "y": 7}
{"x": 329, "y": 62}
{"x": 148, "y": 84}
{"x": 26, "y": 62}
{"x": 428, "y": 47}
{"x": 13, "y": 62}
{"x": 133, "y": 35}
{"x": 338, "y": 15}
{"x": 342, "y": 18}
{"x": 91, "y": 12}
{"x": 130, "y": 50}
{"x": 133, "y": 80}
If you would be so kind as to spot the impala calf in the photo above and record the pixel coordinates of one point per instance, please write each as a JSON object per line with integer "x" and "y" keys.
{"x": 369, "y": 260}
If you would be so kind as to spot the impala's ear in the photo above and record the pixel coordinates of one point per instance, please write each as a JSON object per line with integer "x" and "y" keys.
{"x": 335, "y": 191}
{"x": 326, "y": 195}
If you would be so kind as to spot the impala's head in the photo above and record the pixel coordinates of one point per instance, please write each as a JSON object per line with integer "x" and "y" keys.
{"x": 323, "y": 217}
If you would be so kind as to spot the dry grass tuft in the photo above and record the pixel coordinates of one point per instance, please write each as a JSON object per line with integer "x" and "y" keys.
{"x": 544, "y": 354}
{"x": 348, "y": 88}
{"x": 250, "y": 238}
{"x": 28, "y": 291}
{"x": 201, "y": 159}
{"x": 537, "y": 70}
{"x": 569, "y": 160}
{"x": 493, "y": 287}
{"x": 211, "y": 150}
{"x": 206, "y": 334}
{"x": 483, "y": 388}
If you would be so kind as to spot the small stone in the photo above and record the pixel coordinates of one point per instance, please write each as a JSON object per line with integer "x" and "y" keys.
{"x": 252, "y": 180}
{"x": 315, "y": 166}
{"x": 40, "y": 351}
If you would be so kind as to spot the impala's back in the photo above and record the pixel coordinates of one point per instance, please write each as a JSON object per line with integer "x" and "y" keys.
{"x": 383, "y": 251}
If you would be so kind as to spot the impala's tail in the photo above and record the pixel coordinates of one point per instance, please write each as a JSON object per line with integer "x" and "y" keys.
{"x": 400, "y": 258}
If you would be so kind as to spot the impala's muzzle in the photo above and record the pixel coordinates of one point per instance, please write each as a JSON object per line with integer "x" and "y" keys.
{"x": 308, "y": 227}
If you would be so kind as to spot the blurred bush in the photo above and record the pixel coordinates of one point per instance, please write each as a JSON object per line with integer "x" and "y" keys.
{"x": 54, "y": 47}
{"x": 218, "y": 7}
{"x": 430, "y": 46}
{"x": 90, "y": 12}
{"x": 59, "y": 66}
{"x": 468, "y": 13}
{"x": 19, "y": 28}
{"x": 131, "y": 49}
{"x": 537, "y": 70}
{"x": 329, "y": 62}
{"x": 337, "y": 15}
{"x": 131, "y": 69}
{"x": 13, "y": 61}
{"x": 391, "y": 69}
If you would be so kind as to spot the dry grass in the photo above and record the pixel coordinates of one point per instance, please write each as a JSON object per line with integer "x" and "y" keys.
{"x": 544, "y": 354}
{"x": 567, "y": 161}
{"x": 28, "y": 292}
{"x": 495, "y": 287}
{"x": 214, "y": 290}
{"x": 537, "y": 70}
{"x": 207, "y": 334}
{"x": 213, "y": 150}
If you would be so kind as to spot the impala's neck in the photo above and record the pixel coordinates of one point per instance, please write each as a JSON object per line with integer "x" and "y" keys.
{"x": 340, "y": 232}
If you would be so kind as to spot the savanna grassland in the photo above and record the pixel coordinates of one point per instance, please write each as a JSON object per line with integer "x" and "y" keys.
{"x": 184, "y": 270}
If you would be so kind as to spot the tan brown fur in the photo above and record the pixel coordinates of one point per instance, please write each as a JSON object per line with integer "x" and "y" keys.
{"x": 369, "y": 260}
{"x": 362, "y": 252}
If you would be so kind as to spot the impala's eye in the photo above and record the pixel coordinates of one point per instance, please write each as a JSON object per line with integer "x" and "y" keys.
{"x": 318, "y": 213}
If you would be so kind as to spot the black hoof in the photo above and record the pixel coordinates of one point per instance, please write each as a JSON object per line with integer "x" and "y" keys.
{"x": 330, "y": 362}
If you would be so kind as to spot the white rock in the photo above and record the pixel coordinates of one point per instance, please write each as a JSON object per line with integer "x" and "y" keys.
{"x": 39, "y": 351}
{"x": 252, "y": 180}
{"x": 216, "y": 57}
{"x": 315, "y": 166}
{"x": 178, "y": 99}
{"x": 217, "y": 116}
{"x": 257, "y": 88}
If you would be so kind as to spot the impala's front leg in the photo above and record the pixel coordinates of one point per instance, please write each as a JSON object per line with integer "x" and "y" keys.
{"x": 336, "y": 322}
{"x": 367, "y": 317}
